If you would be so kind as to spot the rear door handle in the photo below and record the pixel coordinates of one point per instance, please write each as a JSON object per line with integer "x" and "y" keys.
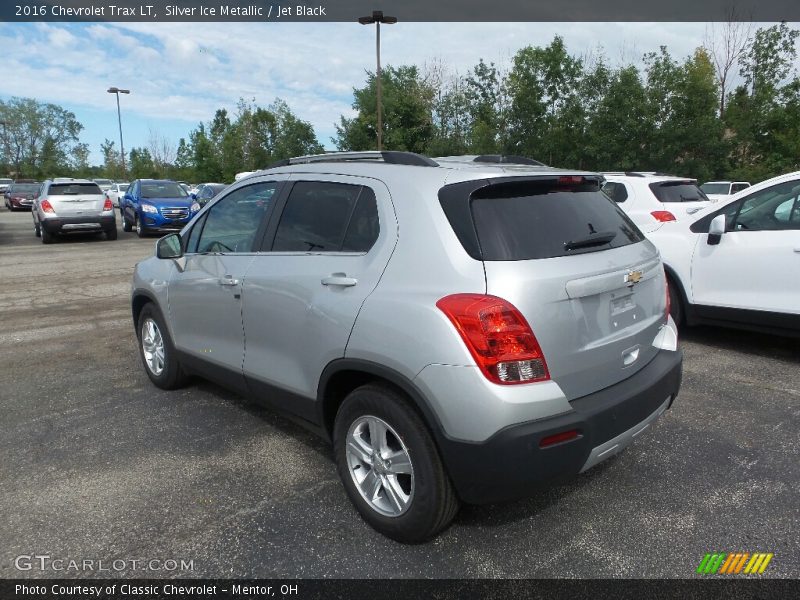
{"x": 339, "y": 279}
{"x": 229, "y": 281}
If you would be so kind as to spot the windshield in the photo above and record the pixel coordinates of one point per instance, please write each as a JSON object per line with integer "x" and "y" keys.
{"x": 123, "y": 187}
{"x": 73, "y": 189}
{"x": 24, "y": 188}
{"x": 163, "y": 189}
{"x": 715, "y": 188}
{"x": 102, "y": 181}
{"x": 678, "y": 191}
{"x": 5, "y": 181}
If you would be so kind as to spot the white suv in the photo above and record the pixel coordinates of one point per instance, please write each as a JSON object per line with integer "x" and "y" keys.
{"x": 737, "y": 263}
{"x": 650, "y": 200}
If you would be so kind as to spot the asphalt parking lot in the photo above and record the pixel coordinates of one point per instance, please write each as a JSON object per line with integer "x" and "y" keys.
{"x": 98, "y": 464}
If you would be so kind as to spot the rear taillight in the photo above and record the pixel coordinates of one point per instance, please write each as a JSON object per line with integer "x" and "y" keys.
{"x": 46, "y": 206}
{"x": 663, "y": 216}
{"x": 498, "y": 337}
{"x": 107, "y": 205}
{"x": 559, "y": 438}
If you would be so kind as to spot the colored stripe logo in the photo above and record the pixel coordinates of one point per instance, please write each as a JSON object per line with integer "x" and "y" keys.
{"x": 734, "y": 563}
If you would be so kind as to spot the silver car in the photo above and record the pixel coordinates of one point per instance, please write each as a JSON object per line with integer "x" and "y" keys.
{"x": 66, "y": 205}
{"x": 461, "y": 332}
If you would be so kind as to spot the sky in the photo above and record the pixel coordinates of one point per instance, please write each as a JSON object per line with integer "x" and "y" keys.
{"x": 179, "y": 74}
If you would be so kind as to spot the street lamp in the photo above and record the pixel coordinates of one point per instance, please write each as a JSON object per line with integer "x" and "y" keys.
{"x": 378, "y": 17}
{"x": 117, "y": 91}
{"x": 5, "y": 144}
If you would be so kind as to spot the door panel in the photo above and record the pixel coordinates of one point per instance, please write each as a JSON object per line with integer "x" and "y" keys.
{"x": 205, "y": 292}
{"x": 300, "y": 303}
{"x": 756, "y": 264}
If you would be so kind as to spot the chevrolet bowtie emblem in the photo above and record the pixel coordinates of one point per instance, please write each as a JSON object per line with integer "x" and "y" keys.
{"x": 633, "y": 277}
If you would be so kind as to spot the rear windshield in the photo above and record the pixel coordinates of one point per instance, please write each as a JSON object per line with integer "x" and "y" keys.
{"x": 542, "y": 219}
{"x": 678, "y": 191}
{"x": 24, "y": 188}
{"x": 715, "y": 188}
{"x": 5, "y": 181}
{"x": 103, "y": 181}
{"x": 163, "y": 189}
{"x": 73, "y": 189}
{"x": 123, "y": 186}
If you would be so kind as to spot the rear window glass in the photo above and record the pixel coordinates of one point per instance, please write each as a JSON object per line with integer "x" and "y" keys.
{"x": 531, "y": 220}
{"x": 73, "y": 189}
{"x": 24, "y": 188}
{"x": 163, "y": 189}
{"x": 678, "y": 191}
{"x": 715, "y": 188}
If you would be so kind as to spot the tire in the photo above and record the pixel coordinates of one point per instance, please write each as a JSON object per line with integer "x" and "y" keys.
{"x": 171, "y": 375}
{"x": 126, "y": 227}
{"x": 141, "y": 230}
{"x": 425, "y": 499}
{"x": 37, "y": 231}
{"x": 111, "y": 234}
{"x": 47, "y": 237}
{"x": 675, "y": 302}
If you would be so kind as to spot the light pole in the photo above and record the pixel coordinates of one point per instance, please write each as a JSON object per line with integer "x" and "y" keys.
{"x": 117, "y": 92}
{"x": 4, "y": 147}
{"x": 378, "y": 17}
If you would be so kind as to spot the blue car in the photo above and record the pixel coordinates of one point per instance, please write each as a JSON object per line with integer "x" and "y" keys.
{"x": 156, "y": 206}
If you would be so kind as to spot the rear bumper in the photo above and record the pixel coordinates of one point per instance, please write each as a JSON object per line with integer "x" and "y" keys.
{"x": 511, "y": 464}
{"x": 75, "y": 224}
{"x": 17, "y": 203}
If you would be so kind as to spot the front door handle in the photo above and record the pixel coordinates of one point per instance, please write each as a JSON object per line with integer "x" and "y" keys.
{"x": 339, "y": 279}
{"x": 797, "y": 250}
{"x": 229, "y": 281}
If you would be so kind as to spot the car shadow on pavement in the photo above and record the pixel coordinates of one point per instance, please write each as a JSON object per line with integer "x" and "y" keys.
{"x": 749, "y": 342}
{"x": 541, "y": 499}
{"x": 268, "y": 416}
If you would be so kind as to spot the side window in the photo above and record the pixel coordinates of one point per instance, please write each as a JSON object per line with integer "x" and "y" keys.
{"x": 232, "y": 223}
{"x": 738, "y": 187}
{"x": 194, "y": 235}
{"x": 327, "y": 217}
{"x": 615, "y": 191}
{"x": 769, "y": 209}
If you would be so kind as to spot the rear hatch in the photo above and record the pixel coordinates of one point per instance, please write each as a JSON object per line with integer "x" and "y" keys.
{"x": 76, "y": 199}
{"x": 577, "y": 268}
{"x": 681, "y": 197}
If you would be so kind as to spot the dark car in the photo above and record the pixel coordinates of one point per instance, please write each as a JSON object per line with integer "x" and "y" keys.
{"x": 207, "y": 191}
{"x": 20, "y": 195}
{"x": 156, "y": 206}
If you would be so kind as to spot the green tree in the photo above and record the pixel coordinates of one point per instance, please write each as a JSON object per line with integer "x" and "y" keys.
{"x": 407, "y": 113}
{"x": 39, "y": 138}
{"x": 141, "y": 164}
{"x": 545, "y": 107}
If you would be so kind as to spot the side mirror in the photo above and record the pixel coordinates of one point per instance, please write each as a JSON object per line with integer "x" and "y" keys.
{"x": 715, "y": 230}
{"x": 194, "y": 196}
{"x": 170, "y": 246}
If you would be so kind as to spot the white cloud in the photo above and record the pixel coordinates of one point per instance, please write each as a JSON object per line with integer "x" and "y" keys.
{"x": 185, "y": 71}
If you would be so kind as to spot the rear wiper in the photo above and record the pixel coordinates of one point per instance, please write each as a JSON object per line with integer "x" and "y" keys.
{"x": 596, "y": 239}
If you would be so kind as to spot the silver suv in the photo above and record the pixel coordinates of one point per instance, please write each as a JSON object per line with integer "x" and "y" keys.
{"x": 460, "y": 331}
{"x": 67, "y": 205}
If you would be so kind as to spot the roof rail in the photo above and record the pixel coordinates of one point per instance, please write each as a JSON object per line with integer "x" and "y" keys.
{"x": 388, "y": 157}
{"x": 508, "y": 158}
